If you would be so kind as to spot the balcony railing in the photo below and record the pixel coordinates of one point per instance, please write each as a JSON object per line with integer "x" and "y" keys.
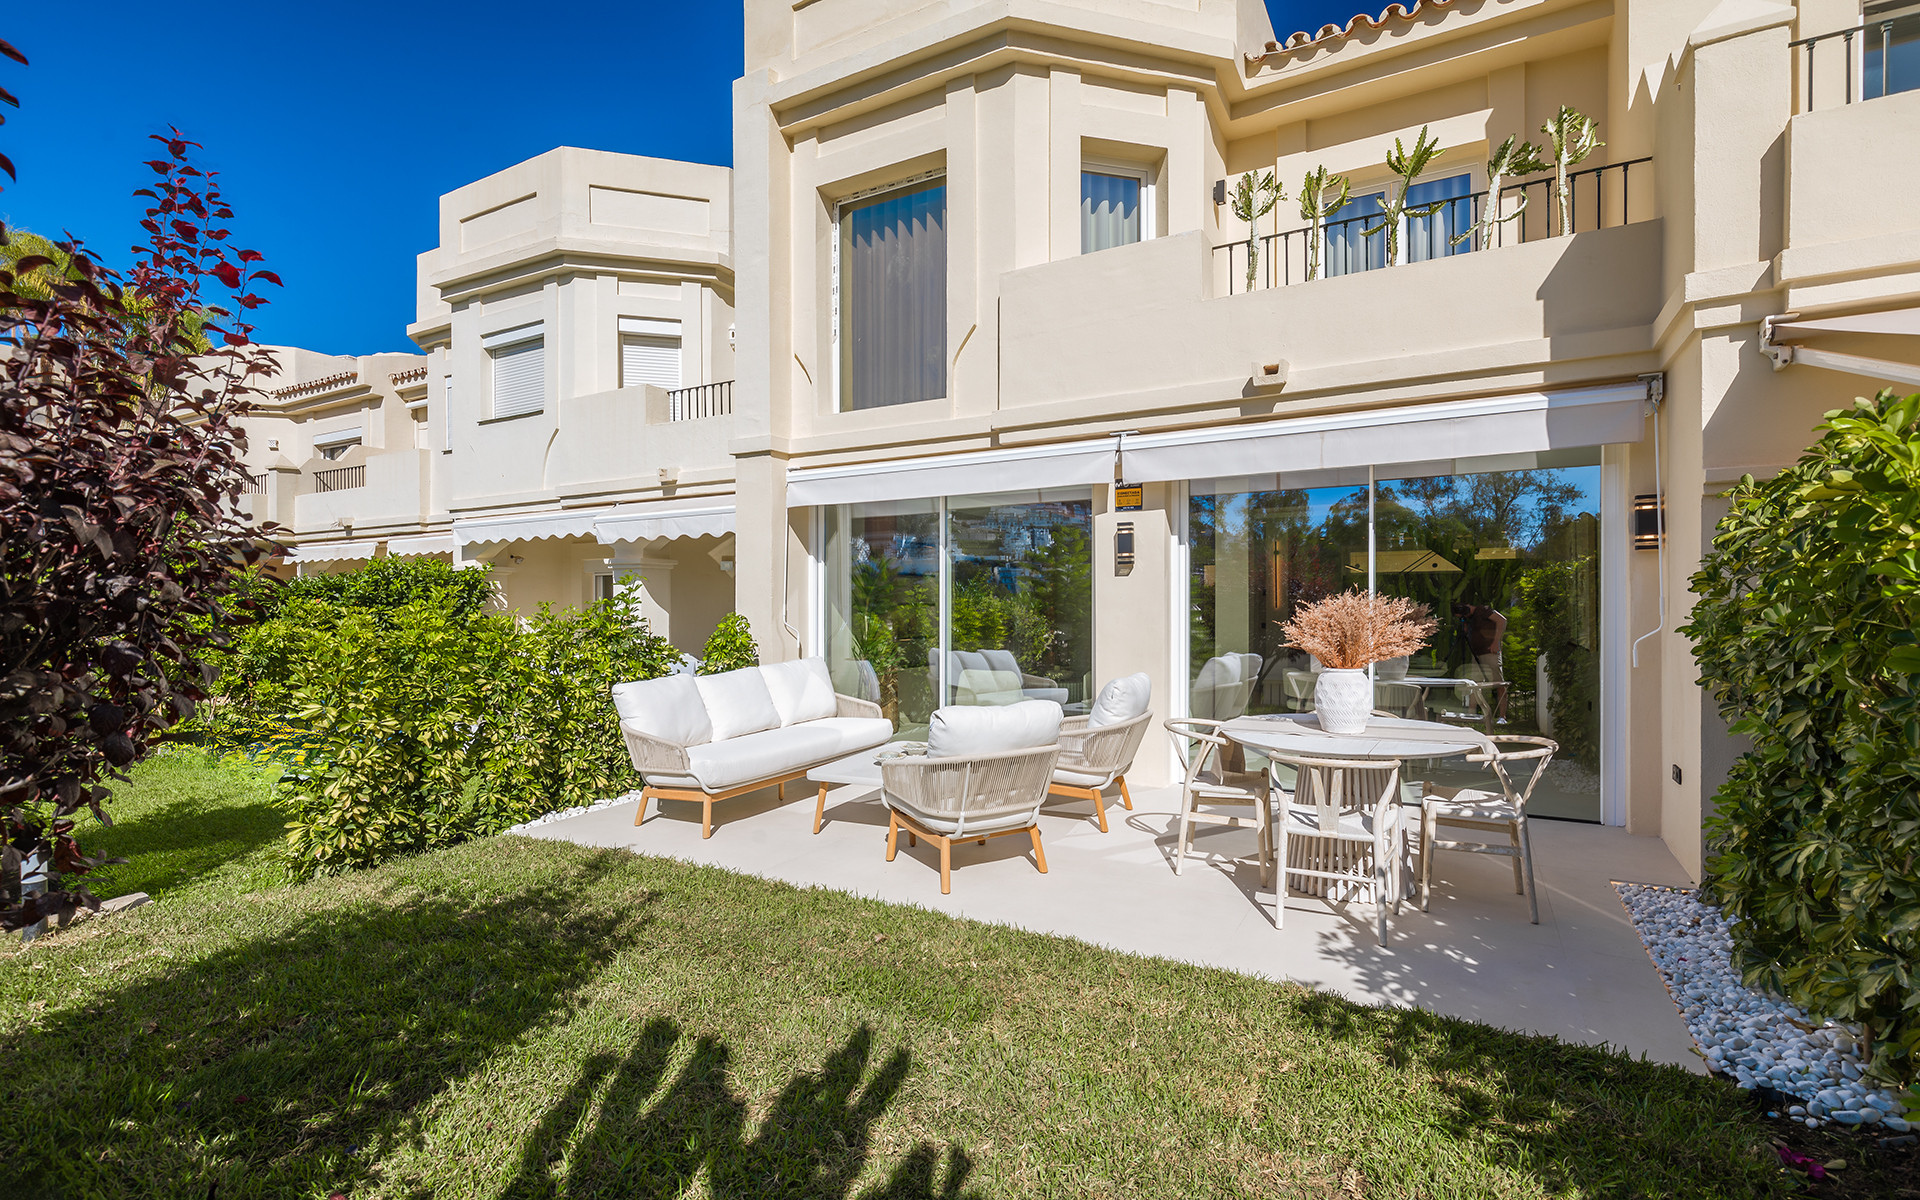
{"x": 339, "y": 479}
{"x": 1876, "y": 58}
{"x": 256, "y": 484}
{"x": 703, "y": 400}
{"x": 1346, "y": 249}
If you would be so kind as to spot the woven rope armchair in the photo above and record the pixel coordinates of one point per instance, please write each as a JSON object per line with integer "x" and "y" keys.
{"x": 971, "y": 798}
{"x": 1092, "y": 759}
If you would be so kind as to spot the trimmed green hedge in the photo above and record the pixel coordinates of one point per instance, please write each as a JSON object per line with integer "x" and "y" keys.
{"x": 1806, "y": 635}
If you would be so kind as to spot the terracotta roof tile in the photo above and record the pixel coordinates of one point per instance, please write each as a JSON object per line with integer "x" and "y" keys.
{"x": 1393, "y": 13}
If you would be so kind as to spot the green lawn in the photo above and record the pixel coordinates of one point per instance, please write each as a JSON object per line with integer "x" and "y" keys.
{"x": 514, "y": 1018}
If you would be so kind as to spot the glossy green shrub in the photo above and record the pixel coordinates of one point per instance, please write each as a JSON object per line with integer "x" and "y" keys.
{"x": 730, "y": 647}
{"x": 1805, "y": 633}
{"x": 430, "y": 728}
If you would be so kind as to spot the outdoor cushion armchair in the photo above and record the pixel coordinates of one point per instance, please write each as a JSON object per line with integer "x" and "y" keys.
{"x": 717, "y": 736}
{"x": 1097, "y": 750}
{"x": 984, "y": 775}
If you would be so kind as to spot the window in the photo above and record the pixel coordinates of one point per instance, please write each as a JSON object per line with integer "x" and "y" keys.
{"x": 891, "y": 296}
{"x": 1348, "y": 249}
{"x": 603, "y": 587}
{"x": 337, "y": 450}
{"x": 1891, "y": 48}
{"x": 649, "y": 353}
{"x": 519, "y": 369}
{"x": 1432, "y": 236}
{"x": 422, "y": 439}
{"x": 446, "y": 412}
{"x": 1115, "y": 207}
{"x": 334, "y": 443}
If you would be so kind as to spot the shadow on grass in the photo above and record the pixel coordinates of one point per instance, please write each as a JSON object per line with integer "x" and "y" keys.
{"x": 814, "y": 1141}
{"x": 291, "y": 1063}
{"x": 176, "y": 845}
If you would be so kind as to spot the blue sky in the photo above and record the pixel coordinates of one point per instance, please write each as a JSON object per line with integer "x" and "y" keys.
{"x": 336, "y": 127}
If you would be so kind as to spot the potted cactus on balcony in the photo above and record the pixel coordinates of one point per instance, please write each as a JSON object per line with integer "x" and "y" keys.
{"x": 1572, "y": 136}
{"x": 1407, "y": 164}
{"x": 1318, "y": 201}
{"x": 1254, "y": 197}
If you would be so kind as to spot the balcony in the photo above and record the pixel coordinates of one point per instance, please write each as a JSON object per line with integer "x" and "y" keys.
{"x": 699, "y": 402}
{"x": 635, "y": 437}
{"x": 1873, "y": 60}
{"x": 1848, "y": 216}
{"x": 390, "y": 487}
{"x": 1598, "y": 198}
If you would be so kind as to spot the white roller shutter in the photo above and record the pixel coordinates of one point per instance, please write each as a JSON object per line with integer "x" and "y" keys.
{"x": 649, "y": 359}
{"x": 520, "y": 378}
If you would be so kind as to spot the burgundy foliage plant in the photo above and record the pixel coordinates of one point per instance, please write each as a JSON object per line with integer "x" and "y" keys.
{"x": 120, "y": 534}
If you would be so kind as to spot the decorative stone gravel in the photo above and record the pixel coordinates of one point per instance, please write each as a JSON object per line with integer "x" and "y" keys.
{"x": 1757, "y": 1039}
{"x": 564, "y": 813}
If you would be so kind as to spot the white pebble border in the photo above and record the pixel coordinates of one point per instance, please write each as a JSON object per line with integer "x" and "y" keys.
{"x": 564, "y": 813}
{"x": 1757, "y": 1039}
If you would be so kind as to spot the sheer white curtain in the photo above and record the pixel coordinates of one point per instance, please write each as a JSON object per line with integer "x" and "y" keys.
{"x": 1109, "y": 210}
{"x": 893, "y": 297}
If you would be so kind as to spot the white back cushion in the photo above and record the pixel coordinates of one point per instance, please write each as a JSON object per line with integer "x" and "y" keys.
{"x": 801, "y": 690}
{"x": 738, "y": 702}
{"x": 961, "y": 730}
{"x": 1121, "y": 700}
{"x": 668, "y": 708}
{"x": 869, "y": 682}
{"x": 1001, "y": 660}
{"x": 1393, "y": 668}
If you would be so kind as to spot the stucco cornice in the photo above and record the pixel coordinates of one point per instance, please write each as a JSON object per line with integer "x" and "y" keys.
{"x": 561, "y": 255}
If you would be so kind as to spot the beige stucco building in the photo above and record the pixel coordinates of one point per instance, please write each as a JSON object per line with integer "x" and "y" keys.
{"x": 976, "y": 265}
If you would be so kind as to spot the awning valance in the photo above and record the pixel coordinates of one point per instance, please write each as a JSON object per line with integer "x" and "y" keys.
{"x": 1513, "y": 424}
{"x": 421, "y": 543}
{"x": 332, "y": 551}
{"x": 973, "y": 474}
{"x": 528, "y": 527}
{"x": 670, "y": 519}
{"x": 1903, "y": 322}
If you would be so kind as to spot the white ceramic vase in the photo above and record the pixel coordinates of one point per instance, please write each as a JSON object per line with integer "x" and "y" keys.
{"x": 1342, "y": 699}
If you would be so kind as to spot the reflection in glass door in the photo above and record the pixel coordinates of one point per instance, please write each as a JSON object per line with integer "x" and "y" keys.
{"x": 1507, "y": 561}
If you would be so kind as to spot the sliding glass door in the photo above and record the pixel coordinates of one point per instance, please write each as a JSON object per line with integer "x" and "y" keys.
{"x": 961, "y": 600}
{"x": 1506, "y": 560}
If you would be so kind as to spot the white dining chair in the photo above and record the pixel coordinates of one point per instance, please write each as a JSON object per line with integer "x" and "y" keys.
{"x": 1208, "y": 780}
{"x": 1347, "y": 816}
{"x": 1504, "y": 811}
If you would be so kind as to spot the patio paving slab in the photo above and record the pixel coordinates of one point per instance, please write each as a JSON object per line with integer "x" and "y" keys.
{"x": 1580, "y": 975}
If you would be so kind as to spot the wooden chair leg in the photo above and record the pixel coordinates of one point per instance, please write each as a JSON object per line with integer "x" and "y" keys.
{"x": 706, "y": 818}
{"x": 1100, "y": 806}
{"x": 946, "y": 866}
{"x": 1125, "y": 797}
{"x": 640, "y": 815}
{"x": 1526, "y": 863}
{"x": 1039, "y": 855}
{"x": 820, "y": 808}
{"x": 913, "y": 839}
{"x": 893, "y": 834}
{"x": 780, "y": 791}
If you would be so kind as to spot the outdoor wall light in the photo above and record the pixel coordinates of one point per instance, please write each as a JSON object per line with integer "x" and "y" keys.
{"x": 1123, "y": 548}
{"x": 1649, "y": 522}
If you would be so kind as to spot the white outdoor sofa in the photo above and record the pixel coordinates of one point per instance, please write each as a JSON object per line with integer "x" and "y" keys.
{"x": 989, "y": 677}
{"x": 711, "y": 737}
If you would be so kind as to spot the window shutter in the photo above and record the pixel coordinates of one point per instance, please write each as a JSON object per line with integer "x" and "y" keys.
{"x": 520, "y": 378}
{"x": 654, "y": 360}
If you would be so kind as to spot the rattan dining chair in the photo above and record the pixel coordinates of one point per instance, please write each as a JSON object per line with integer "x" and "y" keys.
{"x": 1346, "y": 817}
{"x": 1208, "y": 779}
{"x": 1477, "y": 808}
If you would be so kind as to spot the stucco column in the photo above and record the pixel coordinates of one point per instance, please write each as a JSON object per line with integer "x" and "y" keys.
{"x": 635, "y": 569}
{"x": 770, "y": 561}
{"x": 1133, "y": 620}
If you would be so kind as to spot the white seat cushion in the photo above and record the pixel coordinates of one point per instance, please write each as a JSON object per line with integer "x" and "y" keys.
{"x": 987, "y": 687}
{"x": 962, "y": 730}
{"x": 802, "y": 690}
{"x": 1122, "y": 699}
{"x": 1085, "y": 779}
{"x": 975, "y": 825}
{"x": 668, "y": 709}
{"x": 738, "y": 703}
{"x": 1057, "y": 695}
{"x": 772, "y": 753}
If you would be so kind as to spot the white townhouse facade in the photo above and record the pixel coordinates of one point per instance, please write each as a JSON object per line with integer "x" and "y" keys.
{"x": 962, "y": 376}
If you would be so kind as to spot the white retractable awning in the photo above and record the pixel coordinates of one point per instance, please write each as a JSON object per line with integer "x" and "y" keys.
{"x": 421, "y": 543}
{"x": 1514, "y": 424}
{"x": 332, "y": 551}
{"x": 529, "y": 527}
{"x": 974, "y": 474}
{"x": 707, "y": 517}
{"x": 1781, "y": 338}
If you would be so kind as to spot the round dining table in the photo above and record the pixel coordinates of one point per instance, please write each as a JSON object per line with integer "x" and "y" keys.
{"x": 1385, "y": 739}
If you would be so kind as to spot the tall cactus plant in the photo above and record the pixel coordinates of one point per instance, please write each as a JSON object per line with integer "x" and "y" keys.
{"x": 1316, "y": 207}
{"x": 1572, "y": 136}
{"x": 1508, "y": 160}
{"x": 1407, "y": 164}
{"x": 1254, "y": 197}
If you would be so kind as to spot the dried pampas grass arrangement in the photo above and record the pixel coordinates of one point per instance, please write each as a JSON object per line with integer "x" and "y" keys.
{"x": 1357, "y": 628}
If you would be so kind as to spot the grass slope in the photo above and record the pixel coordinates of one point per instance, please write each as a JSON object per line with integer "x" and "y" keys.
{"x": 515, "y": 1018}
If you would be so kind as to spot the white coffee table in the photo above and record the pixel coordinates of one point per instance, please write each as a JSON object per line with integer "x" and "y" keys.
{"x": 860, "y": 769}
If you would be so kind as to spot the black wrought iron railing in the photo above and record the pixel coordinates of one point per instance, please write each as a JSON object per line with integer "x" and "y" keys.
{"x": 702, "y": 400}
{"x": 1597, "y": 198}
{"x": 1878, "y": 57}
{"x": 339, "y": 479}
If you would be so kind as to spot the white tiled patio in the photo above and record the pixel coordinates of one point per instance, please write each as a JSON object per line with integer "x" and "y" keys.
{"x": 1581, "y": 974}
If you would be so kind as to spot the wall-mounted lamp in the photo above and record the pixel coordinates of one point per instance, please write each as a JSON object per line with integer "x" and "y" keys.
{"x": 1219, "y": 191}
{"x": 1649, "y": 522}
{"x": 1123, "y": 548}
